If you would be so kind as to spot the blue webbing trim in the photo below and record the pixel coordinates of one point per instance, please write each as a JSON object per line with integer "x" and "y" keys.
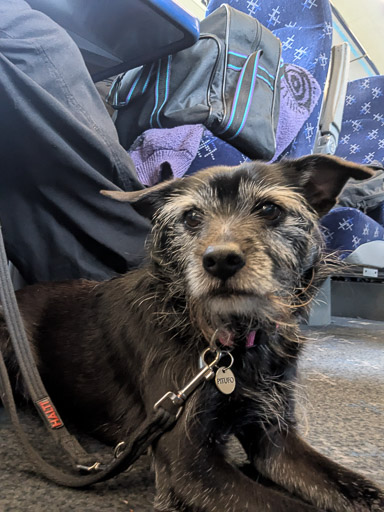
{"x": 236, "y": 68}
{"x": 237, "y": 94}
{"x": 129, "y": 95}
{"x": 238, "y": 55}
{"x": 148, "y": 77}
{"x": 250, "y": 96}
{"x": 269, "y": 74}
{"x": 266, "y": 81}
{"x": 156, "y": 93}
{"x": 166, "y": 89}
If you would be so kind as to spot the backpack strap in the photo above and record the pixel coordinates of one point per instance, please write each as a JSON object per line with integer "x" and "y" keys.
{"x": 131, "y": 85}
{"x": 243, "y": 96}
{"x": 163, "y": 77}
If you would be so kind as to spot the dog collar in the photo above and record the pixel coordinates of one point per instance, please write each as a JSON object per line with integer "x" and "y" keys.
{"x": 250, "y": 339}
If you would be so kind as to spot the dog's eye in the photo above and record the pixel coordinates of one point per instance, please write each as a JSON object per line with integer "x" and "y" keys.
{"x": 192, "y": 219}
{"x": 269, "y": 211}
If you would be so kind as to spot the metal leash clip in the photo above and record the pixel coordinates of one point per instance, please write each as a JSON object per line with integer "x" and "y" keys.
{"x": 97, "y": 466}
{"x": 177, "y": 399}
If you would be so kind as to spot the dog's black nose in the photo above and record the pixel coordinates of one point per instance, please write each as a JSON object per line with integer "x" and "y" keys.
{"x": 223, "y": 261}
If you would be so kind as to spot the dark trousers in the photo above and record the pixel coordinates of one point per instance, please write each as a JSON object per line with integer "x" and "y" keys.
{"x": 58, "y": 149}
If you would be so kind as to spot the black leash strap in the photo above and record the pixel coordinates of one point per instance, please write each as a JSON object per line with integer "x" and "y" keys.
{"x": 127, "y": 455}
{"x": 128, "y": 451}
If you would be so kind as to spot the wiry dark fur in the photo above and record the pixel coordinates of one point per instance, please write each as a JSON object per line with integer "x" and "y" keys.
{"x": 108, "y": 351}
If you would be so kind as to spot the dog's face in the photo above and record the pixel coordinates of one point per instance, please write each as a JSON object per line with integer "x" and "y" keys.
{"x": 242, "y": 242}
{"x": 240, "y": 238}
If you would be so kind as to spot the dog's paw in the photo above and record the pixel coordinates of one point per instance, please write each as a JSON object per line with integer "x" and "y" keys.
{"x": 364, "y": 497}
{"x": 374, "y": 499}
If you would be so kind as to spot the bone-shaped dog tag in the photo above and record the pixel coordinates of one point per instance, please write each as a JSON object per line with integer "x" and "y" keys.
{"x": 225, "y": 380}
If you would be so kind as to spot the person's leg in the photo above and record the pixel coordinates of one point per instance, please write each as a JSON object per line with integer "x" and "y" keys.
{"x": 58, "y": 148}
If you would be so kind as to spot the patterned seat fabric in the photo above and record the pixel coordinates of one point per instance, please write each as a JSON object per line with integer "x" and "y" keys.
{"x": 305, "y": 30}
{"x": 345, "y": 229}
{"x": 362, "y": 135}
{"x": 362, "y": 141}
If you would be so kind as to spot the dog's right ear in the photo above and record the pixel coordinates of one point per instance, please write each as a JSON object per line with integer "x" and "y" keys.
{"x": 147, "y": 200}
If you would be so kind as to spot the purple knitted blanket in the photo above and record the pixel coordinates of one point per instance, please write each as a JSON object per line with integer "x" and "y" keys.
{"x": 178, "y": 146}
{"x": 299, "y": 93}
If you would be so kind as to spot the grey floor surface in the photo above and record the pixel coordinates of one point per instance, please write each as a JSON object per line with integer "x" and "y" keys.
{"x": 341, "y": 409}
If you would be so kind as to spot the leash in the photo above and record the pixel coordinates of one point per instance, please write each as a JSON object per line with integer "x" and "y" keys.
{"x": 87, "y": 469}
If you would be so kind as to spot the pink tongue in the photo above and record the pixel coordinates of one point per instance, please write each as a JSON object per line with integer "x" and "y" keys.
{"x": 227, "y": 339}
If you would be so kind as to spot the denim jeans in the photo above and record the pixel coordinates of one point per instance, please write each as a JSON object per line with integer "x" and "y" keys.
{"x": 58, "y": 149}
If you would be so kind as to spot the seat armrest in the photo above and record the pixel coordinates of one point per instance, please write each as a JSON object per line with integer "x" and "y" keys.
{"x": 334, "y": 99}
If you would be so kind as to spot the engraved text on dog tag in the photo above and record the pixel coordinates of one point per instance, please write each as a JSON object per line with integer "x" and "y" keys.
{"x": 225, "y": 380}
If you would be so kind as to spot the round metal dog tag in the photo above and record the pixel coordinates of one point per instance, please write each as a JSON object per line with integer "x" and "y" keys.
{"x": 225, "y": 380}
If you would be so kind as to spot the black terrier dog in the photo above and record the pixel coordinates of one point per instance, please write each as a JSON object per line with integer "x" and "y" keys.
{"x": 234, "y": 258}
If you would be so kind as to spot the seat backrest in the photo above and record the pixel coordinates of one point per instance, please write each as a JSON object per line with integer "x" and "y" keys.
{"x": 362, "y": 131}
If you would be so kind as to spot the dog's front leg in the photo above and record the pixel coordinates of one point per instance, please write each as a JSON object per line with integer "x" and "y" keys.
{"x": 290, "y": 462}
{"x": 196, "y": 477}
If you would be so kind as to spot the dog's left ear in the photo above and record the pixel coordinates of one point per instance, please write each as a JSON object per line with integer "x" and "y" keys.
{"x": 322, "y": 178}
{"x": 147, "y": 200}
